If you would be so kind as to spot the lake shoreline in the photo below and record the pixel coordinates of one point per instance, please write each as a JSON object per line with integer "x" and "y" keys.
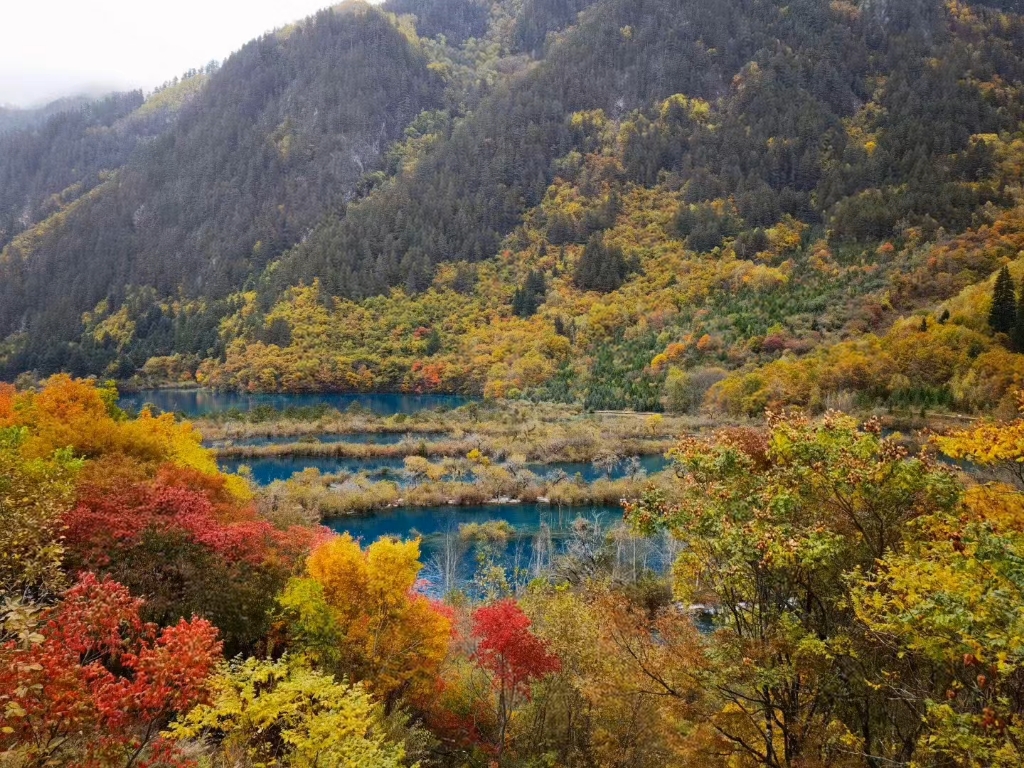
{"x": 496, "y": 504}
{"x": 439, "y": 449}
{"x": 197, "y": 402}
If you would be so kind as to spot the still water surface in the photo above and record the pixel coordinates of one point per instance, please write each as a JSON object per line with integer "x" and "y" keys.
{"x": 361, "y": 438}
{"x": 541, "y": 533}
{"x": 266, "y": 470}
{"x": 432, "y": 523}
{"x": 201, "y": 402}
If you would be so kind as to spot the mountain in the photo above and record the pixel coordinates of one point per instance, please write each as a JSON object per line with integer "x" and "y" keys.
{"x": 639, "y": 203}
{"x": 64, "y": 154}
{"x": 15, "y": 118}
{"x": 276, "y": 136}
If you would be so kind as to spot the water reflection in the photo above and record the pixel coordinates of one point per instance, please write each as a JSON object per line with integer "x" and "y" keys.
{"x": 456, "y": 543}
{"x": 201, "y": 402}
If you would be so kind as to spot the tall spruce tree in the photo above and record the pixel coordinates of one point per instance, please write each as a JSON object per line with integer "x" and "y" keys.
{"x": 1003, "y": 316}
{"x": 601, "y": 268}
{"x": 528, "y": 298}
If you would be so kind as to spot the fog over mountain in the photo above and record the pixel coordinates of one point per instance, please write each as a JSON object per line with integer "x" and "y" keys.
{"x": 37, "y": 89}
{"x": 62, "y": 48}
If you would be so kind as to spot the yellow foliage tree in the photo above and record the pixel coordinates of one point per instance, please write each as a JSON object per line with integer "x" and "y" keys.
{"x": 81, "y": 416}
{"x": 999, "y": 447}
{"x": 281, "y": 713}
{"x": 948, "y": 608}
{"x": 358, "y": 609}
{"x": 34, "y": 493}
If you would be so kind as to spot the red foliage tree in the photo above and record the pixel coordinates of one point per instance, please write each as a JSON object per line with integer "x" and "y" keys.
{"x": 511, "y": 654}
{"x": 116, "y": 512}
{"x": 97, "y": 683}
{"x": 183, "y": 541}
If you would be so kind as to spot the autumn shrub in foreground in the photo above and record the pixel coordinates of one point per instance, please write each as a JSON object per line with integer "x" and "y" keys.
{"x": 94, "y": 684}
{"x": 85, "y": 488}
{"x": 357, "y": 613}
{"x": 184, "y": 541}
{"x": 949, "y": 607}
{"x": 866, "y": 605}
{"x": 34, "y": 493}
{"x": 284, "y": 713}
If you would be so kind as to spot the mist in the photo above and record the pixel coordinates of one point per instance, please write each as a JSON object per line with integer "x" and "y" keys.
{"x": 68, "y": 48}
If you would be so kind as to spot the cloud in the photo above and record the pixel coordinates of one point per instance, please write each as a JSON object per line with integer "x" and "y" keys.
{"x": 50, "y": 48}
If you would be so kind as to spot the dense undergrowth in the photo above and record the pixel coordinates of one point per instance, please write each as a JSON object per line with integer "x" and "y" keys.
{"x": 834, "y": 600}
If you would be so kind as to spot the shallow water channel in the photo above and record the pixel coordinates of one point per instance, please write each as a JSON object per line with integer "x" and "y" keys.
{"x": 203, "y": 402}
{"x": 542, "y": 536}
{"x": 267, "y": 469}
{"x": 360, "y": 438}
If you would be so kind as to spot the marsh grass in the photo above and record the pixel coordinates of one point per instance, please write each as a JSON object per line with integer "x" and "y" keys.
{"x": 329, "y": 496}
{"x": 477, "y": 453}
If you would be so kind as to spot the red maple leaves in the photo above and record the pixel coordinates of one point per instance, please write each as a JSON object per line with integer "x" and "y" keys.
{"x": 98, "y": 683}
{"x": 514, "y": 658}
{"x": 507, "y": 648}
{"x": 116, "y": 512}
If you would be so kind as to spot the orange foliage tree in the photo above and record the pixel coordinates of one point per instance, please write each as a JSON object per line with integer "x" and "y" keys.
{"x": 358, "y": 613}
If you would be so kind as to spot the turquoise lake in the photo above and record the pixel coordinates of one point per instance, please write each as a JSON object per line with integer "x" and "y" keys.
{"x": 362, "y": 438}
{"x": 200, "y": 402}
{"x": 541, "y": 533}
{"x": 267, "y": 470}
{"x": 431, "y": 523}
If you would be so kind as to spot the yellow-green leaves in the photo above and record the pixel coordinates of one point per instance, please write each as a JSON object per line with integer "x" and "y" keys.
{"x": 34, "y": 494}
{"x": 952, "y": 606}
{"x": 281, "y": 713}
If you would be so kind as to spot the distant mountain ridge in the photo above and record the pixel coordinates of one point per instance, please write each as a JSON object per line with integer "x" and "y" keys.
{"x": 278, "y": 134}
{"x": 557, "y": 198}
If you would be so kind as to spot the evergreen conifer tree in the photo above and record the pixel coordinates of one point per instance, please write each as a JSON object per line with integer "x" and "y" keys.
{"x": 433, "y": 342}
{"x": 528, "y": 297}
{"x": 601, "y": 267}
{"x": 1003, "y": 316}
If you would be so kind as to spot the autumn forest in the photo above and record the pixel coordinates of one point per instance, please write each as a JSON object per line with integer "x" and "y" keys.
{"x": 520, "y": 384}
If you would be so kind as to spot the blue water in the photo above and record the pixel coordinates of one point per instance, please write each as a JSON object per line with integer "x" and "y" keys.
{"x": 541, "y": 533}
{"x": 200, "y": 402}
{"x": 431, "y": 523}
{"x": 590, "y": 472}
{"x": 266, "y": 470}
{"x": 362, "y": 438}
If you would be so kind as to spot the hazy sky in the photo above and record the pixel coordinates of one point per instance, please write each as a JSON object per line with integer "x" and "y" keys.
{"x": 51, "y": 48}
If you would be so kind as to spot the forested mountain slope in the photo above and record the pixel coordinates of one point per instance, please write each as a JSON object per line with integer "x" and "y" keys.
{"x": 780, "y": 79}
{"x": 677, "y": 195}
{"x": 67, "y": 149}
{"x": 281, "y": 132}
{"x": 641, "y": 205}
{"x": 14, "y": 118}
